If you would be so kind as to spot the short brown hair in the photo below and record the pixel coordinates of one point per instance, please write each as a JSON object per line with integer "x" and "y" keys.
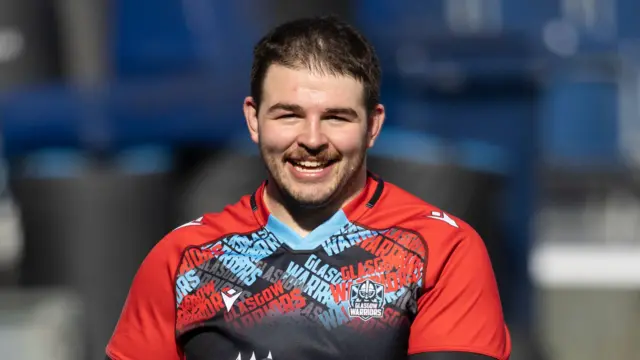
{"x": 324, "y": 44}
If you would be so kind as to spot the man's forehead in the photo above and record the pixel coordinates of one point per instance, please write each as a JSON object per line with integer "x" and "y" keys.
{"x": 309, "y": 89}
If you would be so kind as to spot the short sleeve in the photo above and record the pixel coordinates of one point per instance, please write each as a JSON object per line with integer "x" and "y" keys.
{"x": 461, "y": 311}
{"x": 146, "y": 328}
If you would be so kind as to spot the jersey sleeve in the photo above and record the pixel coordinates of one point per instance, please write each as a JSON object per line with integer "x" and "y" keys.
{"x": 146, "y": 328}
{"x": 461, "y": 310}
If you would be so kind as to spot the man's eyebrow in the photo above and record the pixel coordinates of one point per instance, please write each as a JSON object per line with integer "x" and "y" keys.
{"x": 341, "y": 111}
{"x": 285, "y": 107}
{"x": 344, "y": 111}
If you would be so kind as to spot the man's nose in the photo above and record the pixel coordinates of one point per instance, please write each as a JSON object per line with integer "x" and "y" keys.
{"x": 312, "y": 136}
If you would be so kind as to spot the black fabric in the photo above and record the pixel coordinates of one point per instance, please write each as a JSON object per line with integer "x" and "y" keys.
{"x": 304, "y": 324}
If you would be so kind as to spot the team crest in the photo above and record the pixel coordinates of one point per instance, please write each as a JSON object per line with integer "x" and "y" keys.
{"x": 366, "y": 300}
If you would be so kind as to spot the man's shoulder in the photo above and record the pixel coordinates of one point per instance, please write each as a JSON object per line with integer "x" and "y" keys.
{"x": 414, "y": 221}
{"x": 236, "y": 218}
{"x": 399, "y": 208}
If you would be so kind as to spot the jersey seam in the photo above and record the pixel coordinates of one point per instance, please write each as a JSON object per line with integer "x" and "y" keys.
{"x": 367, "y": 209}
{"x": 452, "y": 236}
{"x": 472, "y": 349}
{"x": 417, "y": 234}
{"x": 426, "y": 260}
{"x": 111, "y": 354}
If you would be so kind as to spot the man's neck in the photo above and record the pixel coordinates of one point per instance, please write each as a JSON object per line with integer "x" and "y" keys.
{"x": 304, "y": 220}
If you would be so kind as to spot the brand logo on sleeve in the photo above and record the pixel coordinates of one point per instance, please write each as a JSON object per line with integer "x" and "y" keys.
{"x": 229, "y": 297}
{"x": 442, "y": 216}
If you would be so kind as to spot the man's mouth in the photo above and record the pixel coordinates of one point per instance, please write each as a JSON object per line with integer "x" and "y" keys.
{"x": 310, "y": 166}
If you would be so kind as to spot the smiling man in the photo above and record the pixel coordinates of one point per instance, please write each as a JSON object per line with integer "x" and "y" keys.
{"x": 324, "y": 260}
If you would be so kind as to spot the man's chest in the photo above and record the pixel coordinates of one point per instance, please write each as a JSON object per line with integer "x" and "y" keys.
{"x": 350, "y": 295}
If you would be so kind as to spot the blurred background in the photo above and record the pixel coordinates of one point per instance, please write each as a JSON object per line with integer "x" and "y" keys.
{"x": 121, "y": 119}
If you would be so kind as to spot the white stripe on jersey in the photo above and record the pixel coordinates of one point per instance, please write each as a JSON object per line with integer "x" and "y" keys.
{"x": 197, "y": 221}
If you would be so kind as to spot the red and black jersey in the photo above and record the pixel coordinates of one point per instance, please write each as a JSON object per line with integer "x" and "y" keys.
{"x": 386, "y": 277}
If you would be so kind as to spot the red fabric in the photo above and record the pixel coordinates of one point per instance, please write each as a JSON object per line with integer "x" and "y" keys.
{"x": 147, "y": 326}
{"x": 461, "y": 311}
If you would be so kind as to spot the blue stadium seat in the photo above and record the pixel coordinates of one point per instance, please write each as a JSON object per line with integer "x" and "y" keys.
{"x": 123, "y": 114}
{"x": 579, "y": 121}
{"x": 151, "y": 37}
{"x": 160, "y": 37}
{"x": 388, "y": 18}
{"x": 528, "y": 16}
{"x": 627, "y": 13}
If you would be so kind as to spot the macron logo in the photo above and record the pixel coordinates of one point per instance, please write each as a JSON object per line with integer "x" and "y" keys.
{"x": 442, "y": 217}
{"x": 197, "y": 221}
{"x": 229, "y": 296}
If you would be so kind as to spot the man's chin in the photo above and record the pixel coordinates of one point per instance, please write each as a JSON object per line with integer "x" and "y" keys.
{"x": 309, "y": 201}
{"x": 308, "y": 195}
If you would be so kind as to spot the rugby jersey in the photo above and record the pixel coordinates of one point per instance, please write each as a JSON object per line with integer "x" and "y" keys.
{"x": 385, "y": 277}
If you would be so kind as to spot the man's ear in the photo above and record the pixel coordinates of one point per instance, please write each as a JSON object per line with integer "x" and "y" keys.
{"x": 376, "y": 120}
{"x": 250, "y": 109}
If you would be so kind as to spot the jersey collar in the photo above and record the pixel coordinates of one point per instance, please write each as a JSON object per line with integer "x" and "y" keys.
{"x": 366, "y": 200}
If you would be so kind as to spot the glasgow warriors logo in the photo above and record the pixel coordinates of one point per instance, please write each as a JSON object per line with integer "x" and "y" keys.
{"x": 366, "y": 300}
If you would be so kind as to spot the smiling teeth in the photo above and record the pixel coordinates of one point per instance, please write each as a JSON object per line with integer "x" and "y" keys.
{"x": 309, "y": 166}
{"x": 308, "y": 170}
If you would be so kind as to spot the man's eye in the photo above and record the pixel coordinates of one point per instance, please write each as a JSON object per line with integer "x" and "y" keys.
{"x": 287, "y": 116}
{"x": 336, "y": 118}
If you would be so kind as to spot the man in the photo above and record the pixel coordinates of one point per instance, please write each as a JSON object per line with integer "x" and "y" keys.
{"x": 324, "y": 260}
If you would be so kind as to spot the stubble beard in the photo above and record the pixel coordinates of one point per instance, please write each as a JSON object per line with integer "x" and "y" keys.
{"x": 333, "y": 193}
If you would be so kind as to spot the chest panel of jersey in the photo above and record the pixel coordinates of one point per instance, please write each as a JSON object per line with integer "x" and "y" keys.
{"x": 251, "y": 295}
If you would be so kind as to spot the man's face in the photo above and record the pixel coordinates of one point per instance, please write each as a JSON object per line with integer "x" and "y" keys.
{"x": 313, "y": 132}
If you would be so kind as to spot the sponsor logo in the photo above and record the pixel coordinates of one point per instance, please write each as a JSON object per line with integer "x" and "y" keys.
{"x": 366, "y": 300}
